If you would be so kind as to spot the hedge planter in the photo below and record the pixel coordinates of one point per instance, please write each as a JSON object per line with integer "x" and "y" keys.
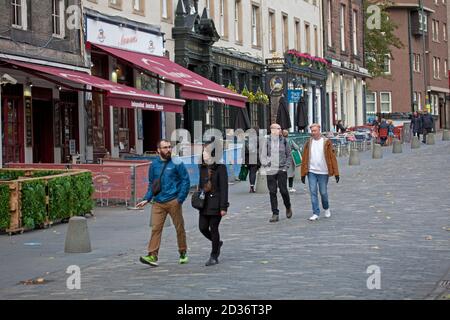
{"x": 38, "y": 198}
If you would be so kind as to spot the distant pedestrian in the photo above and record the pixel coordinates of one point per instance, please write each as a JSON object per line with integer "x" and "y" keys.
{"x": 276, "y": 160}
{"x": 214, "y": 182}
{"x": 292, "y": 166}
{"x": 168, "y": 188}
{"x": 427, "y": 124}
{"x": 391, "y": 133}
{"x": 318, "y": 164}
{"x": 340, "y": 127}
{"x": 383, "y": 131}
{"x": 416, "y": 125}
{"x": 251, "y": 157}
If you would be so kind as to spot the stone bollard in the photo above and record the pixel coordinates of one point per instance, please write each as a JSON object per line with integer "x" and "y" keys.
{"x": 231, "y": 175}
{"x": 397, "y": 146}
{"x": 377, "y": 151}
{"x": 431, "y": 139}
{"x": 406, "y": 132}
{"x": 446, "y": 135}
{"x": 77, "y": 236}
{"x": 354, "y": 158}
{"x": 261, "y": 183}
{"x": 415, "y": 143}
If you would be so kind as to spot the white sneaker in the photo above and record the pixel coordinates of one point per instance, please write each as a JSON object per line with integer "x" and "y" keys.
{"x": 314, "y": 217}
{"x": 327, "y": 213}
{"x": 292, "y": 190}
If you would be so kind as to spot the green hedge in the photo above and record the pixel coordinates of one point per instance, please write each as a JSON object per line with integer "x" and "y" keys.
{"x": 11, "y": 175}
{"x": 68, "y": 196}
{"x": 84, "y": 189}
{"x": 71, "y": 195}
{"x": 34, "y": 208}
{"x": 4, "y": 207}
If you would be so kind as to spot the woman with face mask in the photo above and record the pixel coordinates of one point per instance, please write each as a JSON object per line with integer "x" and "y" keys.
{"x": 214, "y": 183}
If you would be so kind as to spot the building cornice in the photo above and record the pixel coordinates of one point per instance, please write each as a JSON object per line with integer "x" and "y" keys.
{"x": 410, "y": 6}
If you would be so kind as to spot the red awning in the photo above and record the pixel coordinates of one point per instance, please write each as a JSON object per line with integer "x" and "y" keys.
{"x": 193, "y": 86}
{"x": 118, "y": 95}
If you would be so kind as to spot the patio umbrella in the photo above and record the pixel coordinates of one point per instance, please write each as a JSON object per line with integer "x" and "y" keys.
{"x": 242, "y": 120}
{"x": 302, "y": 115}
{"x": 283, "y": 118}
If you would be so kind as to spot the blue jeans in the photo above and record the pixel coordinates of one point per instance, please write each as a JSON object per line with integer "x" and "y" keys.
{"x": 322, "y": 181}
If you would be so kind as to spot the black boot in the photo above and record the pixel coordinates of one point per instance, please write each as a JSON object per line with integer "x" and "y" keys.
{"x": 212, "y": 261}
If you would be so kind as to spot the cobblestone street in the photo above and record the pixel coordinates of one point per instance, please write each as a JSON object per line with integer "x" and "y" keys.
{"x": 393, "y": 213}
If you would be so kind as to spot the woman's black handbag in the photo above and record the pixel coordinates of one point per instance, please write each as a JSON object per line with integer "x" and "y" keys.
{"x": 198, "y": 200}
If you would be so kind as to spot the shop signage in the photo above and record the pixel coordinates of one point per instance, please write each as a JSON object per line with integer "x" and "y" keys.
{"x": 275, "y": 63}
{"x": 115, "y": 35}
{"x": 235, "y": 63}
{"x": 294, "y": 95}
{"x": 29, "y": 122}
{"x": 276, "y": 83}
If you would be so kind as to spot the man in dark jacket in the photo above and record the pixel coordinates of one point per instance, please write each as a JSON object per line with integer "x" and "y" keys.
{"x": 416, "y": 125}
{"x": 173, "y": 191}
{"x": 276, "y": 159}
{"x": 427, "y": 124}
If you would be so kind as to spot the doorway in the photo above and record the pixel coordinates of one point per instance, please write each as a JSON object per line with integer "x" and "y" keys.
{"x": 43, "y": 151}
{"x": 151, "y": 126}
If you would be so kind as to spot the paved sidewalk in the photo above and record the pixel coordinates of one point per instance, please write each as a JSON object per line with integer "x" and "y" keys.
{"x": 393, "y": 213}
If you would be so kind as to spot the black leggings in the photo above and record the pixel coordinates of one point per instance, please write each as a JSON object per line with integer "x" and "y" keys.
{"x": 253, "y": 169}
{"x": 291, "y": 182}
{"x": 209, "y": 227}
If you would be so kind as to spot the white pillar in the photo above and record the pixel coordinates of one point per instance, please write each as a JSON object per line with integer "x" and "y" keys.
{"x": 291, "y": 116}
{"x": 81, "y": 128}
{"x": 310, "y": 105}
{"x": 319, "y": 105}
{"x": 114, "y": 150}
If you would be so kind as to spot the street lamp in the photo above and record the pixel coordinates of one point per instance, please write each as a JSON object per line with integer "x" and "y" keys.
{"x": 5, "y": 79}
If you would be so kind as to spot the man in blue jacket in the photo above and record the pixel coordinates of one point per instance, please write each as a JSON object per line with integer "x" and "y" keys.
{"x": 168, "y": 196}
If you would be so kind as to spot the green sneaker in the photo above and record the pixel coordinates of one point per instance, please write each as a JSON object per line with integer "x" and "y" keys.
{"x": 183, "y": 258}
{"x": 150, "y": 260}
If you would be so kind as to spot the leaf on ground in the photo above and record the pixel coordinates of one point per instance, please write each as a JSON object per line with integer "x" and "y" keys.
{"x": 376, "y": 247}
{"x": 264, "y": 262}
{"x": 428, "y": 238}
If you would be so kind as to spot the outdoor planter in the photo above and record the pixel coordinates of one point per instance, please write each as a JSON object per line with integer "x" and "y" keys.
{"x": 31, "y": 198}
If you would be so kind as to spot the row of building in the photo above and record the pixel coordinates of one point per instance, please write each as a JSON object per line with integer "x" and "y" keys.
{"x": 94, "y": 77}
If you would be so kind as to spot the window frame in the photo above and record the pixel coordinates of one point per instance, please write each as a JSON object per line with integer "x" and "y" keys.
{"x": 374, "y": 94}
{"x": 342, "y": 27}
{"x": 117, "y": 5}
{"x": 355, "y": 31}
{"x": 22, "y": 5}
{"x": 141, "y": 10}
{"x": 285, "y": 30}
{"x": 61, "y": 19}
{"x": 381, "y": 101}
{"x": 272, "y": 31}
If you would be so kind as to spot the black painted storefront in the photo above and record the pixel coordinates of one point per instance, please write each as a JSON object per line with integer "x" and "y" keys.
{"x": 194, "y": 37}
